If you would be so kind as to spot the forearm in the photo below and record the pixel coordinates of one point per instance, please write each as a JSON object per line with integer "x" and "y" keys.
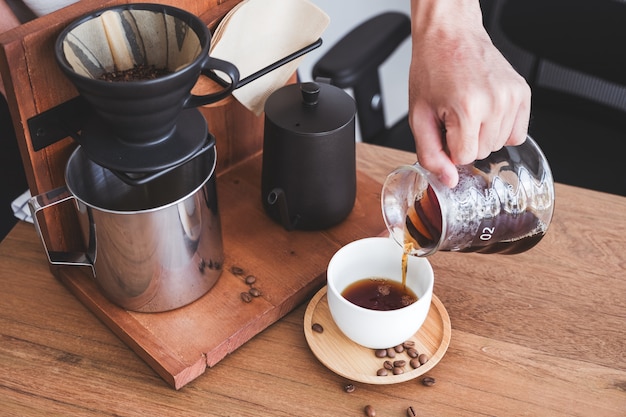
{"x": 449, "y": 13}
{"x": 448, "y": 23}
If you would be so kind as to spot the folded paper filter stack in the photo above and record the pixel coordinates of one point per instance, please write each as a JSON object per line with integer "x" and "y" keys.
{"x": 257, "y": 33}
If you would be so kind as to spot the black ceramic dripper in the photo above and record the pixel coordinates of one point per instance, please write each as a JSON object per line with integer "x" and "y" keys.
{"x": 141, "y": 125}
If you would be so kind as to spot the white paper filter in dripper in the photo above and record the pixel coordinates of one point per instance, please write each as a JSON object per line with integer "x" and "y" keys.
{"x": 260, "y": 32}
{"x": 118, "y": 40}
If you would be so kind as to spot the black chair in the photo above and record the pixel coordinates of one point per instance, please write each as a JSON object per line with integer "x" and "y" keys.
{"x": 353, "y": 62}
{"x": 572, "y": 54}
{"x": 578, "y": 112}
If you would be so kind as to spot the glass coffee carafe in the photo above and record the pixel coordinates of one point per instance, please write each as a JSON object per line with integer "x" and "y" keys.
{"x": 502, "y": 204}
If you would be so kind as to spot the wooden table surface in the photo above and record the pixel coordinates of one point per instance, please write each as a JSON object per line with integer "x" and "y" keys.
{"x": 541, "y": 333}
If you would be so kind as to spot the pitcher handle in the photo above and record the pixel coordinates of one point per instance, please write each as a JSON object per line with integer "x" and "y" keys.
{"x": 49, "y": 199}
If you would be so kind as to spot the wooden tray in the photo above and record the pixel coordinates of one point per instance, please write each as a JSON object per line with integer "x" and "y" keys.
{"x": 358, "y": 363}
{"x": 289, "y": 266}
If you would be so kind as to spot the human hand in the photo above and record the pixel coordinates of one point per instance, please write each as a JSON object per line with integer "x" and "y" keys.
{"x": 465, "y": 99}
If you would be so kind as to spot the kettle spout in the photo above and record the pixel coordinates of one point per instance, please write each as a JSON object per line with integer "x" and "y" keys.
{"x": 278, "y": 198}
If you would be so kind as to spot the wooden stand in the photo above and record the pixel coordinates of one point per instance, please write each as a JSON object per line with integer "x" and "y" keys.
{"x": 289, "y": 266}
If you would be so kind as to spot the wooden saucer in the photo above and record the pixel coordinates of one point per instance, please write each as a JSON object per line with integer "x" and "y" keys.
{"x": 358, "y": 363}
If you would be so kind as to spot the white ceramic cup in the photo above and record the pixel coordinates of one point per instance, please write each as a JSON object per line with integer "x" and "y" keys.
{"x": 378, "y": 257}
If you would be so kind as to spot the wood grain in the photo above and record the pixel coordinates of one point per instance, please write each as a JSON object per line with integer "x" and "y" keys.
{"x": 536, "y": 334}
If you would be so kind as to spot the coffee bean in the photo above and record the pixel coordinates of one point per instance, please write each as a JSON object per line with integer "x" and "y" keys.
{"x": 388, "y": 365}
{"x": 423, "y": 358}
{"x": 349, "y": 388}
{"x": 398, "y": 371}
{"x": 391, "y": 353}
{"x": 317, "y": 328}
{"x": 428, "y": 381}
{"x": 410, "y": 412}
{"x": 399, "y": 363}
{"x": 250, "y": 279}
{"x": 415, "y": 363}
{"x": 380, "y": 353}
{"x": 382, "y": 372}
{"x": 399, "y": 349}
{"x": 236, "y": 270}
{"x": 246, "y": 297}
{"x": 408, "y": 344}
{"x": 369, "y": 411}
{"x": 255, "y": 292}
{"x": 412, "y": 352}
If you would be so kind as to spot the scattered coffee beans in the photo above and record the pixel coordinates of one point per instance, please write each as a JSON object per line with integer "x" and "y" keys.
{"x": 253, "y": 292}
{"x": 316, "y": 327}
{"x": 236, "y": 270}
{"x": 369, "y": 411}
{"x": 397, "y": 366}
{"x": 246, "y": 297}
{"x": 410, "y": 412}
{"x": 415, "y": 363}
{"x": 398, "y": 371}
{"x": 349, "y": 388}
{"x": 428, "y": 381}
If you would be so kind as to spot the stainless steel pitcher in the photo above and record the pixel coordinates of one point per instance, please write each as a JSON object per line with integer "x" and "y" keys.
{"x": 152, "y": 247}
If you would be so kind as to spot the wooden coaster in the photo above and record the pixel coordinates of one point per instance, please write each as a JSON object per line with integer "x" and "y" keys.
{"x": 358, "y": 363}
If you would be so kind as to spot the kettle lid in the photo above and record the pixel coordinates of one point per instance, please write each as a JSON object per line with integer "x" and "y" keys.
{"x": 310, "y": 108}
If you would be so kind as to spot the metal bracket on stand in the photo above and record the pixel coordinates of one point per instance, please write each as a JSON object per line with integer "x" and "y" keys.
{"x": 58, "y": 122}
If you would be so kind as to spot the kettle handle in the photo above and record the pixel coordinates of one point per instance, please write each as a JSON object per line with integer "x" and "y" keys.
{"x": 49, "y": 199}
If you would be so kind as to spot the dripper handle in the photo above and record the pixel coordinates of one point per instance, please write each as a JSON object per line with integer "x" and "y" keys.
{"x": 209, "y": 66}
